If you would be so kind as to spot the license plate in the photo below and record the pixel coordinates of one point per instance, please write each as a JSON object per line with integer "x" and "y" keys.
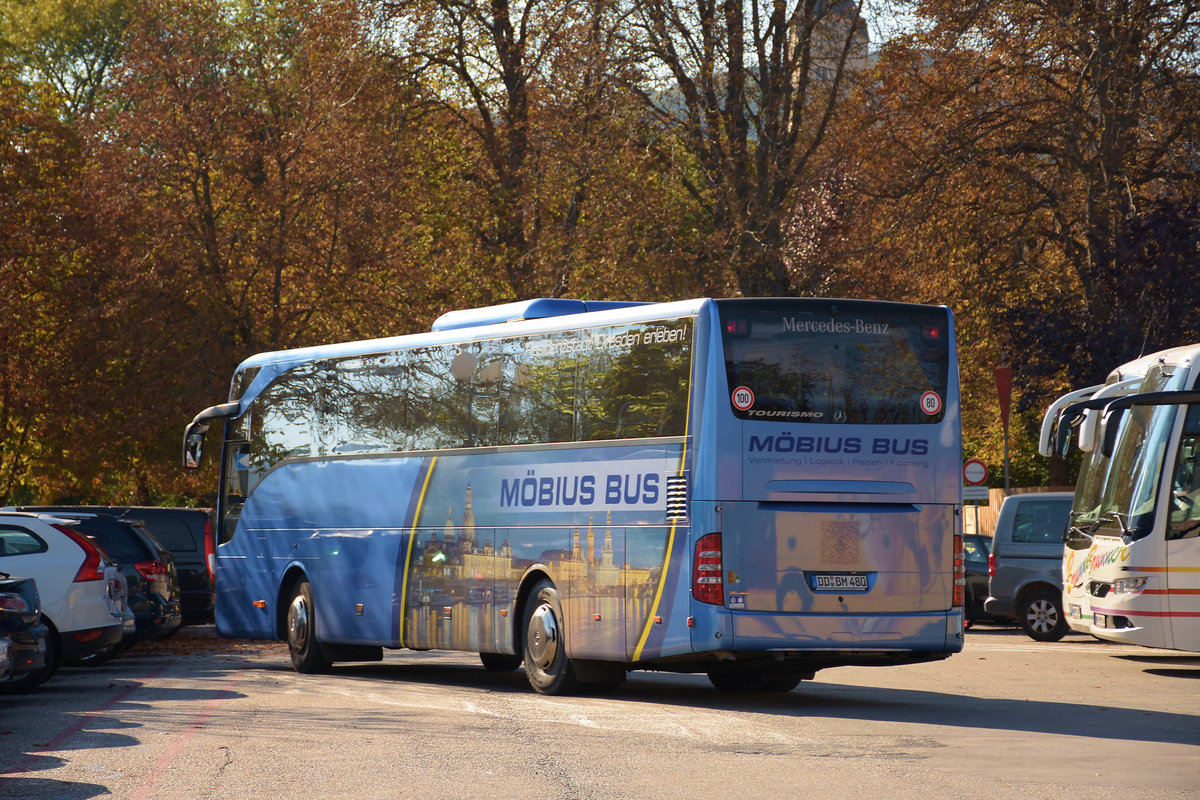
{"x": 1100, "y": 620}
{"x": 840, "y": 583}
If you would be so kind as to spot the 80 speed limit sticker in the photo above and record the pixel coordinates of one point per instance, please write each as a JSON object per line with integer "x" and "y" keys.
{"x": 743, "y": 398}
{"x": 931, "y": 403}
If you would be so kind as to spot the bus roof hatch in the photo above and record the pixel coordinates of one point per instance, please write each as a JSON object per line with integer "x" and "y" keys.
{"x": 524, "y": 309}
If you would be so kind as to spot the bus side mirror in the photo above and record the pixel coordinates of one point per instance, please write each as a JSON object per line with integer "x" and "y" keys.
{"x": 193, "y": 444}
{"x": 193, "y": 435}
{"x": 1109, "y": 427}
{"x": 1062, "y": 437}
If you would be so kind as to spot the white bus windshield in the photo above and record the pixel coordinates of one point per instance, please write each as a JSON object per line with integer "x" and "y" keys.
{"x": 1120, "y": 492}
{"x": 834, "y": 361}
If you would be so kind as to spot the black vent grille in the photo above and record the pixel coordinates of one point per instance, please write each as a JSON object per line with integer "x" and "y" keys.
{"x": 677, "y": 491}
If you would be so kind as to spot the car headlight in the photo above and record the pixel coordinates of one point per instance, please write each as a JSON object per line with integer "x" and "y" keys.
{"x": 1128, "y": 585}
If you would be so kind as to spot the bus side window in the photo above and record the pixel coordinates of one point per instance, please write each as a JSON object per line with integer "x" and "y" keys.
{"x": 1185, "y": 482}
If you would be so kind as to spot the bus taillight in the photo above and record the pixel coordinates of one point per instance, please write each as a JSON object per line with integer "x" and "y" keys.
{"x": 960, "y": 572}
{"x": 707, "y": 584}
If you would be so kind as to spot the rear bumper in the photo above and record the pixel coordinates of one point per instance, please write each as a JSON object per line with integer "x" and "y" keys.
{"x": 1001, "y": 607}
{"x": 80, "y": 644}
{"x": 860, "y": 633}
{"x": 826, "y": 639}
{"x": 27, "y": 649}
{"x": 154, "y": 618}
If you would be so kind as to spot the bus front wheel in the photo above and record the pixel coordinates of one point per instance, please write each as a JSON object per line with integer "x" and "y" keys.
{"x": 307, "y": 656}
{"x": 546, "y": 664}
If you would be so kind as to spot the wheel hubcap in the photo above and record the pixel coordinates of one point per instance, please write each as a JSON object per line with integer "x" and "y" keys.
{"x": 298, "y": 623}
{"x": 1042, "y": 616}
{"x": 543, "y": 640}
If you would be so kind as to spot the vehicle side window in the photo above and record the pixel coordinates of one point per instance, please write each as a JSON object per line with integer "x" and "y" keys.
{"x": 19, "y": 542}
{"x": 173, "y": 534}
{"x": 1040, "y": 521}
{"x": 1185, "y": 486}
{"x": 974, "y": 550}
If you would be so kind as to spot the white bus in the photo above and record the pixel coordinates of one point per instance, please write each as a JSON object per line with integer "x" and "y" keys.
{"x": 1131, "y": 565}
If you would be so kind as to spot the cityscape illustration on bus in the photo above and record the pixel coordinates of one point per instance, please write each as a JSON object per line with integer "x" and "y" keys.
{"x": 1131, "y": 555}
{"x": 753, "y": 489}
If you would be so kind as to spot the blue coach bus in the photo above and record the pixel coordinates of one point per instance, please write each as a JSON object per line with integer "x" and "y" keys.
{"x": 750, "y": 488}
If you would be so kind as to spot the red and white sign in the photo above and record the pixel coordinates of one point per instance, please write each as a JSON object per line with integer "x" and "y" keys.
{"x": 975, "y": 472}
{"x": 931, "y": 403}
{"x": 743, "y": 398}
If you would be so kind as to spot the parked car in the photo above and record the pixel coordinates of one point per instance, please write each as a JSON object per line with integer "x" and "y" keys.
{"x": 1025, "y": 566}
{"x": 81, "y": 590}
{"x": 188, "y": 533}
{"x": 976, "y": 549}
{"x": 23, "y": 636}
{"x": 149, "y": 570}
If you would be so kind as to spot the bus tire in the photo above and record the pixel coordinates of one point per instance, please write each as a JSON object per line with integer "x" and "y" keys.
{"x": 499, "y": 662}
{"x": 307, "y": 656}
{"x": 738, "y": 681}
{"x": 1041, "y": 616}
{"x": 781, "y": 683}
{"x": 546, "y": 664}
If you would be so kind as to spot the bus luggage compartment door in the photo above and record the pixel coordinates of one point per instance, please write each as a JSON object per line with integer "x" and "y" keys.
{"x": 838, "y": 558}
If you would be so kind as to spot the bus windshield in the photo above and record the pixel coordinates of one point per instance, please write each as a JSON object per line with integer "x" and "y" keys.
{"x": 835, "y": 361}
{"x": 1120, "y": 491}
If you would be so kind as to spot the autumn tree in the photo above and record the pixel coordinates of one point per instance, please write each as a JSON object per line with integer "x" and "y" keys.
{"x": 64, "y": 48}
{"x": 749, "y": 91}
{"x": 38, "y": 163}
{"x": 241, "y": 193}
{"x": 1016, "y": 156}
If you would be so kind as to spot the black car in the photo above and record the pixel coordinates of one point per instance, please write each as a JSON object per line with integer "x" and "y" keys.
{"x": 154, "y": 595}
{"x": 189, "y": 534}
{"x": 21, "y": 627}
{"x": 976, "y": 549}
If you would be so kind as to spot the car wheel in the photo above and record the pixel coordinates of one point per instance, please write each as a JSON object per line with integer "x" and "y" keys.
{"x": 1042, "y": 618}
{"x": 499, "y": 662}
{"x": 546, "y": 664}
{"x": 307, "y": 656}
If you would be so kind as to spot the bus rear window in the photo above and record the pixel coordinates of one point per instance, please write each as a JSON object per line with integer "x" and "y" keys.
{"x": 858, "y": 362}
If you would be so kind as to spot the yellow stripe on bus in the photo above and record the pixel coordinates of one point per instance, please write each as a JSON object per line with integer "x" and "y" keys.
{"x": 412, "y": 537}
{"x": 662, "y": 580}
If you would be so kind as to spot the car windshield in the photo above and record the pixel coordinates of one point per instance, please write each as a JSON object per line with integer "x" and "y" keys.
{"x": 1118, "y": 493}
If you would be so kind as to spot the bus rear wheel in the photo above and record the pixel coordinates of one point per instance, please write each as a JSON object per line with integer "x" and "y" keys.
{"x": 753, "y": 681}
{"x": 546, "y": 664}
{"x": 307, "y": 657}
